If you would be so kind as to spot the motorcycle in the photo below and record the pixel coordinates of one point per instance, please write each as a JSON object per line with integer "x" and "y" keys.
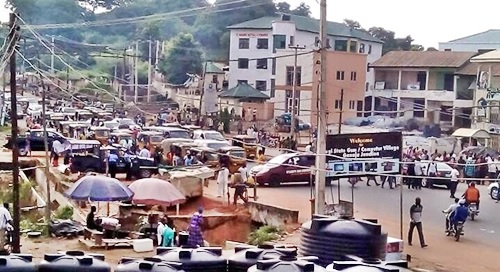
{"x": 473, "y": 211}
{"x": 456, "y": 231}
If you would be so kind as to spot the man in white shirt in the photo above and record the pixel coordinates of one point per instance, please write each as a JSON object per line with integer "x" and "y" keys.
{"x": 431, "y": 172}
{"x": 5, "y": 223}
{"x": 244, "y": 172}
{"x": 309, "y": 148}
{"x": 144, "y": 153}
{"x": 449, "y": 212}
{"x": 222, "y": 181}
{"x": 159, "y": 230}
{"x": 492, "y": 168}
{"x": 454, "y": 181}
{"x": 418, "y": 173}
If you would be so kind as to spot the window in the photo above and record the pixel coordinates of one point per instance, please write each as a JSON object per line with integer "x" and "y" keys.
{"x": 214, "y": 79}
{"x": 273, "y": 72}
{"x": 242, "y": 81}
{"x": 244, "y": 43}
{"x": 362, "y": 48}
{"x": 354, "y": 46}
{"x": 353, "y": 76}
{"x": 292, "y": 40}
{"x": 352, "y": 104}
{"x": 369, "y": 49}
{"x": 359, "y": 108}
{"x": 242, "y": 63}
{"x": 262, "y": 64}
{"x": 261, "y": 85}
{"x": 367, "y": 85}
{"x": 368, "y": 67}
{"x": 340, "y": 45}
{"x": 262, "y": 43}
{"x": 328, "y": 44}
{"x": 273, "y": 88}
{"x": 289, "y": 75}
{"x": 447, "y": 49}
{"x": 279, "y": 41}
{"x": 340, "y": 75}
{"x": 337, "y": 104}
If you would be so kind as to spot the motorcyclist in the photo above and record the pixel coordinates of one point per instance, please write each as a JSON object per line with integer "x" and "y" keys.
{"x": 472, "y": 195}
{"x": 450, "y": 211}
{"x": 460, "y": 214}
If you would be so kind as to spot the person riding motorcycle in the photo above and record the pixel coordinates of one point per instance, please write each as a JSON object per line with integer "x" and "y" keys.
{"x": 450, "y": 211}
{"x": 472, "y": 195}
{"x": 460, "y": 214}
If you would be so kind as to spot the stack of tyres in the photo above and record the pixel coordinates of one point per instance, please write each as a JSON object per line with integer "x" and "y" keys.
{"x": 74, "y": 261}
{"x": 201, "y": 259}
{"x": 368, "y": 265}
{"x": 17, "y": 263}
{"x": 247, "y": 256}
{"x": 147, "y": 265}
{"x": 289, "y": 263}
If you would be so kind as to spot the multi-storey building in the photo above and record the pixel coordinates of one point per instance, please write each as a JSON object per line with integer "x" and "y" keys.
{"x": 481, "y": 42}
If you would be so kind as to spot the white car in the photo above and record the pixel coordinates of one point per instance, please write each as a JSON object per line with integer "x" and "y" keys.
{"x": 493, "y": 190}
{"x": 443, "y": 171}
{"x": 35, "y": 111}
{"x": 127, "y": 122}
{"x": 208, "y": 135}
{"x": 213, "y": 144}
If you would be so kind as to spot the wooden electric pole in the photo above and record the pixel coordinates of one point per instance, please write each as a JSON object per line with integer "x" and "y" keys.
{"x": 295, "y": 108}
{"x": 13, "y": 37}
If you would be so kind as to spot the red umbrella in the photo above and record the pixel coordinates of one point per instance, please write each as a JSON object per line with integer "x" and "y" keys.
{"x": 152, "y": 191}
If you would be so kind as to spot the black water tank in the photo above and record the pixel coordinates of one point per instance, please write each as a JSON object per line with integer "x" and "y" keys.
{"x": 289, "y": 263}
{"x": 147, "y": 265}
{"x": 74, "y": 261}
{"x": 368, "y": 265}
{"x": 17, "y": 263}
{"x": 247, "y": 256}
{"x": 332, "y": 239}
{"x": 206, "y": 259}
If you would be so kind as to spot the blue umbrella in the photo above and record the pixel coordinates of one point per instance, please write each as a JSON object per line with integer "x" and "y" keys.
{"x": 99, "y": 188}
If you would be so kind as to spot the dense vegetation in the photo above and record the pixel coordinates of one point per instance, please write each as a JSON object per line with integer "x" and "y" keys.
{"x": 194, "y": 30}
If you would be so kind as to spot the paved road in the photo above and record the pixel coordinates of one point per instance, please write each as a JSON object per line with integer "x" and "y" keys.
{"x": 385, "y": 202}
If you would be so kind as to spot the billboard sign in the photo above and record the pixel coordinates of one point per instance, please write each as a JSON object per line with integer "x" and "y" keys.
{"x": 363, "y": 154}
{"x": 210, "y": 99}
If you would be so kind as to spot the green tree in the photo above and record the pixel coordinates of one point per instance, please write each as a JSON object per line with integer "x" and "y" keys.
{"x": 107, "y": 4}
{"x": 183, "y": 56}
{"x": 302, "y": 10}
{"x": 283, "y": 7}
{"x": 352, "y": 23}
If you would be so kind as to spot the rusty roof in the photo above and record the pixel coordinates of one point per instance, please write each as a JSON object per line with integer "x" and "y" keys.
{"x": 423, "y": 59}
{"x": 470, "y": 69}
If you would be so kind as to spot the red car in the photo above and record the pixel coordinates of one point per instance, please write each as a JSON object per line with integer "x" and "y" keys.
{"x": 289, "y": 167}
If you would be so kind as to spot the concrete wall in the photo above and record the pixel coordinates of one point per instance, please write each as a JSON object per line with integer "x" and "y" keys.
{"x": 272, "y": 215}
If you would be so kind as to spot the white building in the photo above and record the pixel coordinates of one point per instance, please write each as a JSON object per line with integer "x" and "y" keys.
{"x": 480, "y": 42}
{"x": 255, "y": 46}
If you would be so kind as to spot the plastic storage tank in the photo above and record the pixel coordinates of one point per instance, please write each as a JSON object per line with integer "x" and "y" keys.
{"x": 372, "y": 265}
{"x": 332, "y": 239}
{"x": 247, "y": 256}
{"x": 289, "y": 263}
{"x": 17, "y": 263}
{"x": 74, "y": 261}
{"x": 206, "y": 259}
{"x": 147, "y": 265}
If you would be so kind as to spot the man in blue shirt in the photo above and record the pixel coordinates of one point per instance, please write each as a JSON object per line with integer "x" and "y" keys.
{"x": 112, "y": 164}
{"x": 460, "y": 214}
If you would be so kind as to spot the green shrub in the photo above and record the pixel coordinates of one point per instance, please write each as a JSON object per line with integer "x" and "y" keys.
{"x": 264, "y": 234}
{"x": 64, "y": 212}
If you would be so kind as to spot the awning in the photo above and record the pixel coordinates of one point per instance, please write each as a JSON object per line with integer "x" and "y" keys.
{"x": 471, "y": 133}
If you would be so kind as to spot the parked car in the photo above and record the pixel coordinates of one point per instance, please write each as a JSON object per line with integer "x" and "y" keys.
{"x": 493, "y": 189}
{"x": 36, "y": 140}
{"x": 213, "y": 144}
{"x": 443, "y": 170}
{"x": 289, "y": 167}
{"x": 208, "y": 135}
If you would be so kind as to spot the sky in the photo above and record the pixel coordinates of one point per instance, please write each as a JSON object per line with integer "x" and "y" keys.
{"x": 427, "y": 21}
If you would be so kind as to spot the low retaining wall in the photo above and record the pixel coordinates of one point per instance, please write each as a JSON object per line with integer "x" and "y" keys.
{"x": 272, "y": 215}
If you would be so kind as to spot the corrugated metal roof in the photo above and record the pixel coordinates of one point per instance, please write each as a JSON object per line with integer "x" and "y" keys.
{"x": 488, "y": 36}
{"x": 243, "y": 90}
{"x": 211, "y": 68}
{"x": 308, "y": 24}
{"x": 470, "y": 69}
{"x": 423, "y": 59}
{"x": 492, "y": 56}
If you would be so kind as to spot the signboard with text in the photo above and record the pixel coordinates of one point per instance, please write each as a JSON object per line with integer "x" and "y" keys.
{"x": 363, "y": 154}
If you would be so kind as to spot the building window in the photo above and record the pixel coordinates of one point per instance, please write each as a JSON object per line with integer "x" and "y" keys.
{"x": 337, "y": 104}
{"x": 279, "y": 41}
{"x": 273, "y": 71}
{"x": 289, "y": 75}
{"x": 359, "y": 108}
{"x": 368, "y": 67}
{"x": 367, "y": 86}
{"x": 214, "y": 79}
{"x": 262, "y": 43}
{"x": 261, "y": 85}
{"x": 354, "y": 46}
{"x": 242, "y": 81}
{"x": 242, "y": 63}
{"x": 352, "y": 104}
{"x": 340, "y": 45}
{"x": 447, "y": 49}
{"x": 369, "y": 49}
{"x": 272, "y": 92}
{"x": 353, "y": 76}
{"x": 292, "y": 40}
{"x": 362, "y": 48}
{"x": 340, "y": 75}
{"x": 328, "y": 44}
{"x": 244, "y": 43}
{"x": 262, "y": 64}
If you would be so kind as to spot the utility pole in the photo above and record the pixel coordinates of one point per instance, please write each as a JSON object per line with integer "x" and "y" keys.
{"x": 202, "y": 92}
{"x": 319, "y": 204}
{"x": 294, "y": 89}
{"x": 157, "y": 55}
{"x": 4, "y": 110}
{"x": 136, "y": 68}
{"x": 67, "y": 79}
{"x": 13, "y": 37}
{"x": 46, "y": 148}
{"x": 124, "y": 75}
{"x": 52, "y": 54}
{"x": 150, "y": 57}
{"x": 341, "y": 112}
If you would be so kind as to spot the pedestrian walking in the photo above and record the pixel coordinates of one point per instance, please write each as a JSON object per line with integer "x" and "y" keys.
{"x": 418, "y": 174}
{"x": 454, "y": 181}
{"x": 416, "y": 222}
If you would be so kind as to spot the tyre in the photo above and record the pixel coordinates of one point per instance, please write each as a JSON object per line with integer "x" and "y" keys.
{"x": 493, "y": 193}
{"x": 23, "y": 152}
{"x": 90, "y": 170}
{"x": 426, "y": 183}
{"x": 274, "y": 181}
{"x": 145, "y": 173}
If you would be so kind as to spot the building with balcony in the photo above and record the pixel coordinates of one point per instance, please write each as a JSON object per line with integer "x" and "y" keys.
{"x": 480, "y": 42}
{"x": 344, "y": 70}
{"x": 256, "y": 45}
{"x": 437, "y": 86}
